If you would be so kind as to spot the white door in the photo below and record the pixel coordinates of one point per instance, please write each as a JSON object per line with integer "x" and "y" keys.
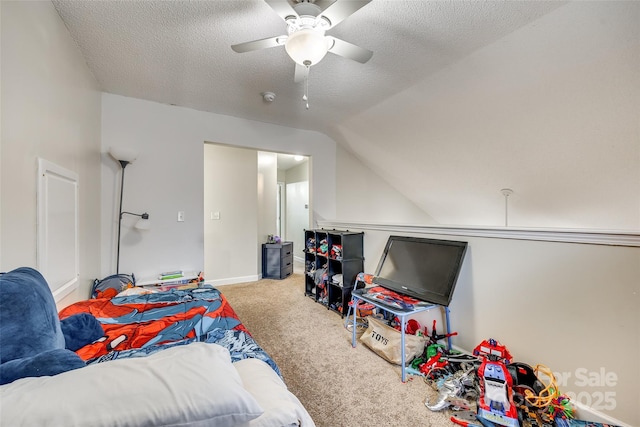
{"x": 297, "y": 199}
{"x": 279, "y": 210}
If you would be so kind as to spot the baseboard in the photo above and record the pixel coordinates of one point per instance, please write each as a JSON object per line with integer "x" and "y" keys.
{"x": 582, "y": 412}
{"x": 233, "y": 280}
{"x": 586, "y": 413}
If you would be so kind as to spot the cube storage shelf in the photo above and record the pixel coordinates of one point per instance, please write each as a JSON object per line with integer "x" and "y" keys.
{"x": 339, "y": 254}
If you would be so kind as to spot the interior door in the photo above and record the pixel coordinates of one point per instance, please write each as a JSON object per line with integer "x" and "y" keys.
{"x": 297, "y": 215}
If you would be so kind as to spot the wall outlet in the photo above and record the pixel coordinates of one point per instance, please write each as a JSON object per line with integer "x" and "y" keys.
{"x": 180, "y": 216}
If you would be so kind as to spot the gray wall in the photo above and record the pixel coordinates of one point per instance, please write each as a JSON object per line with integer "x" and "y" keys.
{"x": 230, "y": 188}
{"x": 170, "y": 142}
{"x": 51, "y": 110}
{"x": 550, "y": 110}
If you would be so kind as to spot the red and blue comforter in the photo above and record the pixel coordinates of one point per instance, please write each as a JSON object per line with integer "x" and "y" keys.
{"x": 139, "y": 325}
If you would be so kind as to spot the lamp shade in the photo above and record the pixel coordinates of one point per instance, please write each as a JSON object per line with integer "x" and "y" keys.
{"x": 123, "y": 154}
{"x": 143, "y": 224}
{"x": 307, "y": 46}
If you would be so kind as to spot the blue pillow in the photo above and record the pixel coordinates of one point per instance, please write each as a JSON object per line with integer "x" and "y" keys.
{"x": 80, "y": 329}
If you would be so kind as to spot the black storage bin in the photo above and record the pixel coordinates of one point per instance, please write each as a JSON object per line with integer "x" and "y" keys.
{"x": 277, "y": 260}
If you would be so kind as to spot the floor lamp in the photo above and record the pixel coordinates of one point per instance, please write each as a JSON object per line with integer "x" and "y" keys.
{"x": 124, "y": 156}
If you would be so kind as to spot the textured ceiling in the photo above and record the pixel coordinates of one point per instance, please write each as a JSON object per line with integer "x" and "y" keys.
{"x": 178, "y": 52}
{"x": 460, "y": 98}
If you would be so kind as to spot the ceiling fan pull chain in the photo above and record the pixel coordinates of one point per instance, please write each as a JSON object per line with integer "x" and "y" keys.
{"x": 305, "y": 97}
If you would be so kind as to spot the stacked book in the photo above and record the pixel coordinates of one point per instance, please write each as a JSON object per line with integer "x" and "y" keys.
{"x": 169, "y": 279}
{"x": 168, "y": 275}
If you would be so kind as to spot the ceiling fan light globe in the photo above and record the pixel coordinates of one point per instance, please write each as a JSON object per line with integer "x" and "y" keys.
{"x": 307, "y": 47}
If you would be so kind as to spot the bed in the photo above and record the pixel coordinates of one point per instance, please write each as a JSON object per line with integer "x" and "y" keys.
{"x": 177, "y": 357}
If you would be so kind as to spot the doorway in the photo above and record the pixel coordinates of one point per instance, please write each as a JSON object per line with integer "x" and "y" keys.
{"x": 293, "y": 202}
{"x": 245, "y": 200}
{"x": 297, "y": 217}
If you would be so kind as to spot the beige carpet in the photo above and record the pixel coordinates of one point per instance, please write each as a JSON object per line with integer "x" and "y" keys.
{"x": 340, "y": 386}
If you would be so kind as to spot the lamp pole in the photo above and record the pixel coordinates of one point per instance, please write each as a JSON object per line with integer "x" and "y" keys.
{"x": 124, "y": 164}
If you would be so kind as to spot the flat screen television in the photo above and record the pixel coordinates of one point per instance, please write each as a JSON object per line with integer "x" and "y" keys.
{"x": 425, "y": 269}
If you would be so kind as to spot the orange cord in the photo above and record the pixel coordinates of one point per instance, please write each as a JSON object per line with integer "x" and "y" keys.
{"x": 548, "y": 394}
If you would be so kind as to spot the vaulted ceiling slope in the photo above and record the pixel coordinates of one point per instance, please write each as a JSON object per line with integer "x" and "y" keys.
{"x": 459, "y": 100}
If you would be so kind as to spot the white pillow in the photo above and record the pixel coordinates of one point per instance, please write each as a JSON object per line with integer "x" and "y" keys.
{"x": 137, "y": 290}
{"x": 190, "y": 385}
{"x": 281, "y": 407}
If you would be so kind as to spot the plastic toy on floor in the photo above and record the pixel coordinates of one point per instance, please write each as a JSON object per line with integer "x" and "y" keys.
{"x": 456, "y": 392}
{"x": 493, "y": 348}
{"x": 466, "y": 419}
{"x": 495, "y": 403}
{"x": 435, "y": 362}
{"x": 450, "y": 373}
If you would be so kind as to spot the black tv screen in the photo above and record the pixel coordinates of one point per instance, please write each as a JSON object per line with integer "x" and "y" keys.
{"x": 425, "y": 269}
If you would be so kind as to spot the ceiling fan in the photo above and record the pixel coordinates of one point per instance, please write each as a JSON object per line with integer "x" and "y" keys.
{"x": 306, "y": 42}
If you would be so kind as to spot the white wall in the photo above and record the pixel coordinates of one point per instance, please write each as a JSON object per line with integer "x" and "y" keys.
{"x": 551, "y": 110}
{"x": 168, "y": 175}
{"x": 50, "y": 109}
{"x": 362, "y": 195}
{"x": 230, "y": 243}
{"x": 298, "y": 173}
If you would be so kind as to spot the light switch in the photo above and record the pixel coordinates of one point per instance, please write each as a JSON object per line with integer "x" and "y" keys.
{"x": 215, "y": 215}
{"x": 180, "y": 216}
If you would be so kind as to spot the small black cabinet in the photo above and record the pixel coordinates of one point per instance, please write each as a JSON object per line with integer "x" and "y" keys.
{"x": 277, "y": 260}
{"x": 333, "y": 259}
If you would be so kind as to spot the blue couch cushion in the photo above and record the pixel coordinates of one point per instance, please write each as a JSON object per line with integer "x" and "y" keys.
{"x": 31, "y": 340}
{"x": 51, "y": 362}
{"x": 80, "y": 329}
{"x": 29, "y": 322}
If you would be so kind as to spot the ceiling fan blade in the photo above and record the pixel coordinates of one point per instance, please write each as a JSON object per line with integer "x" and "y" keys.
{"x": 300, "y": 73}
{"x": 348, "y": 50}
{"x": 259, "y": 44}
{"x": 283, "y": 8}
{"x": 339, "y": 10}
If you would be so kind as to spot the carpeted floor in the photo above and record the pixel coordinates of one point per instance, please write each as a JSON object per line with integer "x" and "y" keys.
{"x": 340, "y": 386}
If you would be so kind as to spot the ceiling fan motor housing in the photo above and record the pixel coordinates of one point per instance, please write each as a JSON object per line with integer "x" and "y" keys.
{"x": 307, "y": 7}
